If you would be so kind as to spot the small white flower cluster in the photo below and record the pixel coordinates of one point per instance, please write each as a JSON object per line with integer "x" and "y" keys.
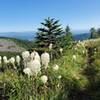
{"x": 45, "y": 59}
{"x": 18, "y": 59}
{"x": 33, "y": 62}
{"x": 50, "y": 46}
{"x": 74, "y": 57}
{"x": 0, "y": 59}
{"x": 5, "y": 60}
{"x": 12, "y": 60}
{"x": 44, "y": 79}
{"x": 61, "y": 50}
{"x": 27, "y": 71}
{"x": 55, "y": 67}
{"x": 33, "y": 66}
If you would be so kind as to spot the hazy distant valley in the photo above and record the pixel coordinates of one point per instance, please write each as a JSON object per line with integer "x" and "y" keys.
{"x": 77, "y": 35}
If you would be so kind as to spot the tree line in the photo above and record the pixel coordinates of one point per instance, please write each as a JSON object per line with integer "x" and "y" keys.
{"x": 95, "y": 33}
{"x": 51, "y": 31}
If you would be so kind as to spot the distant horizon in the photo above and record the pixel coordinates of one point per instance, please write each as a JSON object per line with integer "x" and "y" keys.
{"x": 85, "y": 30}
{"x": 31, "y": 35}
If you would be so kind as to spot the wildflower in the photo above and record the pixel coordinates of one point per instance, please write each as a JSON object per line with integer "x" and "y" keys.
{"x": 0, "y": 59}
{"x": 35, "y": 66}
{"x": 61, "y": 50}
{"x": 50, "y": 46}
{"x": 27, "y": 71}
{"x": 58, "y": 85}
{"x": 35, "y": 55}
{"x": 44, "y": 79}
{"x": 59, "y": 77}
{"x": 74, "y": 57}
{"x": 95, "y": 49}
{"x": 75, "y": 48}
{"x": 12, "y": 60}
{"x": 83, "y": 52}
{"x": 55, "y": 67}
{"x": 45, "y": 58}
{"x": 32, "y": 55}
{"x": 18, "y": 59}
{"x": 83, "y": 44}
{"x": 25, "y": 54}
{"x": 5, "y": 59}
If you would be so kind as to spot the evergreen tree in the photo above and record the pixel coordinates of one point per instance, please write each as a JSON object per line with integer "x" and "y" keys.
{"x": 49, "y": 32}
{"x": 98, "y": 32}
{"x": 92, "y": 33}
{"x": 67, "y": 37}
{"x": 68, "y": 33}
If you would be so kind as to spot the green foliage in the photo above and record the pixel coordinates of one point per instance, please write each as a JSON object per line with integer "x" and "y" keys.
{"x": 98, "y": 32}
{"x": 49, "y": 32}
{"x": 66, "y": 38}
{"x": 9, "y": 54}
{"x": 94, "y": 33}
{"x": 77, "y": 79}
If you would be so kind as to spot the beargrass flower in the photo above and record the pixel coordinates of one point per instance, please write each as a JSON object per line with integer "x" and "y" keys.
{"x": 45, "y": 59}
{"x": 55, "y": 67}
{"x": 35, "y": 55}
{"x": 27, "y": 71}
{"x": 34, "y": 66}
{"x": 74, "y": 57}
{"x": 59, "y": 77}
{"x": 0, "y": 59}
{"x": 50, "y": 46}
{"x": 61, "y": 50}
{"x": 18, "y": 59}
{"x": 32, "y": 55}
{"x": 44, "y": 79}
{"x": 12, "y": 60}
{"x": 5, "y": 59}
{"x": 25, "y": 54}
{"x": 83, "y": 52}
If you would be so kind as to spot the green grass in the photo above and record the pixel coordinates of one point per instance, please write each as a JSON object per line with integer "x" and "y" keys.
{"x": 9, "y": 54}
{"x": 79, "y": 81}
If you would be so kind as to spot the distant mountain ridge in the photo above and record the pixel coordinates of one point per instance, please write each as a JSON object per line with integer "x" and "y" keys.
{"x": 31, "y": 35}
{"x": 82, "y": 36}
{"x": 19, "y": 35}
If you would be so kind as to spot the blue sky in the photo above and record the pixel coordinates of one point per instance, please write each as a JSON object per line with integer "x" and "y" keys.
{"x": 26, "y": 15}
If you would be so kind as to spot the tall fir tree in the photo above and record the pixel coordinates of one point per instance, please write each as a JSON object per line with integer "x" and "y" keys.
{"x": 67, "y": 37}
{"x": 92, "y": 33}
{"x": 49, "y": 32}
{"x": 68, "y": 33}
{"x": 98, "y": 32}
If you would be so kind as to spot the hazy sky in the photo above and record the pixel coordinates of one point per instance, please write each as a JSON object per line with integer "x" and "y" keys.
{"x": 26, "y": 15}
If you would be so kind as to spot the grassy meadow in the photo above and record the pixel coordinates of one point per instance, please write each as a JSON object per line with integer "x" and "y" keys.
{"x": 78, "y": 78}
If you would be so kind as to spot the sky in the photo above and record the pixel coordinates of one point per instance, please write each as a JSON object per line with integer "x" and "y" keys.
{"x": 26, "y": 15}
